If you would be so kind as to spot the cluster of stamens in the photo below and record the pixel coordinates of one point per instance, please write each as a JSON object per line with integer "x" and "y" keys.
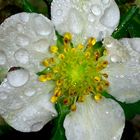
{"x": 76, "y": 71}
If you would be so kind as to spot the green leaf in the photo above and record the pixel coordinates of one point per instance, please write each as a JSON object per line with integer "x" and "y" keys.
{"x": 45, "y": 71}
{"x": 58, "y": 132}
{"x": 28, "y": 7}
{"x": 130, "y": 110}
{"x": 125, "y": 21}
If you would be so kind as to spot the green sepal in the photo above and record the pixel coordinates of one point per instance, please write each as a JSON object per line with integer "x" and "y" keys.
{"x": 130, "y": 110}
{"x": 58, "y": 132}
{"x": 45, "y": 71}
{"x": 125, "y": 21}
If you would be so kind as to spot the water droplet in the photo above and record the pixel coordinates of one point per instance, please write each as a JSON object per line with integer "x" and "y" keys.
{"x": 16, "y": 104}
{"x": 42, "y": 26}
{"x": 105, "y": 1}
{"x": 22, "y": 40}
{"x": 3, "y": 95}
{"x": 20, "y": 28}
{"x": 115, "y": 58}
{"x": 18, "y": 77}
{"x": 3, "y": 58}
{"x": 24, "y": 17}
{"x": 22, "y": 56}
{"x": 121, "y": 76}
{"x": 91, "y": 18}
{"x": 59, "y": 12}
{"x": 96, "y": 10}
{"x": 36, "y": 126}
{"x": 29, "y": 92}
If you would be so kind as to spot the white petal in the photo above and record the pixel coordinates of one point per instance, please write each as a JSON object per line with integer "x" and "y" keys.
{"x": 25, "y": 39}
{"x": 24, "y": 42}
{"x": 124, "y": 68}
{"x": 86, "y": 18}
{"x": 27, "y": 108}
{"x": 95, "y": 121}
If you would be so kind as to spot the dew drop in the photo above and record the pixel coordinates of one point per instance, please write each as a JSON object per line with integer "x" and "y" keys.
{"x": 91, "y": 18}
{"x": 29, "y": 92}
{"x": 24, "y": 17}
{"x": 96, "y": 10}
{"x": 18, "y": 77}
{"x": 3, "y": 95}
{"x": 22, "y": 56}
{"x": 3, "y": 58}
{"x": 22, "y": 40}
{"x": 42, "y": 26}
{"x": 115, "y": 59}
{"x": 105, "y": 1}
{"x": 59, "y": 12}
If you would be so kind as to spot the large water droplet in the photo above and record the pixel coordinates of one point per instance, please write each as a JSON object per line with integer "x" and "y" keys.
{"x": 42, "y": 26}
{"x": 96, "y": 10}
{"x": 115, "y": 59}
{"x": 22, "y": 56}
{"x": 3, "y": 58}
{"x": 22, "y": 40}
{"x": 18, "y": 77}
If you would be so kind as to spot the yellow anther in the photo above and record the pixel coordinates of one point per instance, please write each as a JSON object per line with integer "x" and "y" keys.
{"x": 106, "y": 83}
{"x": 104, "y": 64}
{"x": 51, "y": 60}
{"x": 91, "y": 42}
{"x": 80, "y": 46}
{"x": 87, "y": 54}
{"x": 73, "y": 107}
{"x": 42, "y": 78}
{"x": 57, "y": 92}
{"x": 73, "y": 50}
{"x": 105, "y": 75}
{"x": 61, "y": 56}
{"x": 99, "y": 88}
{"x": 97, "y": 55}
{"x": 59, "y": 82}
{"x": 54, "y": 99}
{"x": 49, "y": 76}
{"x": 55, "y": 69}
{"x": 81, "y": 99}
{"x": 45, "y": 62}
{"x": 98, "y": 97}
{"x": 67, "y": 38}
{"x": 66, "y": 101}
{"x": 97, "y": 79}
{"x": 105, "y": 52}
{"x": 53, "y": 49}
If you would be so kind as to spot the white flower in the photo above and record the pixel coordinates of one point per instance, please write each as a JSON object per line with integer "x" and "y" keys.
{"x": 24, "y": 42}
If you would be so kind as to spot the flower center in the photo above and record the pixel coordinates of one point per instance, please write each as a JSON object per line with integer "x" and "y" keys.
{"x": 76, "y": 70}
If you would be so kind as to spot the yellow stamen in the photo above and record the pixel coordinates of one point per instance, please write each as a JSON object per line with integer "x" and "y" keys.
{"x": 105, "y": 75}
{"x": 67, "y": 38}
{"x": 53, "y": 49}
{"x": 61, "y": 56}
{"x": 80, "y": 46}
{"x": 87, "y": 54}
{"x": 54, "y": 99}
{"x": 59, "y": 82}
{"x": 97, "y": 79}
{"x": 81, "y": 99}
{"x": 73, "y": 107}
{"x": 57, "y": 92}
{"x": 98, "y": 97}
{"x": 45, "y": 62}
{"x": 42, "y": 78}
{"x": 91, "y": 42}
